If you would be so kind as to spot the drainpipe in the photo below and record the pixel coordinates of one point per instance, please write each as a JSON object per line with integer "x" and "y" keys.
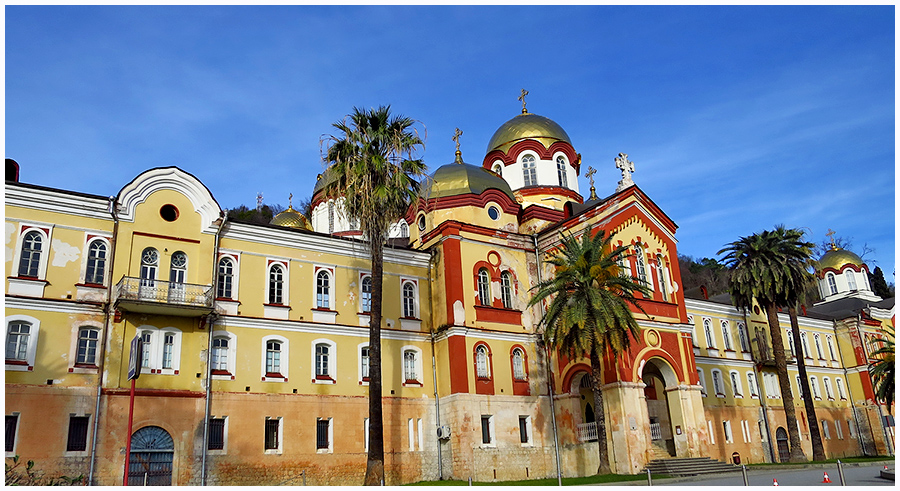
{"x": 210, "y": 326}
{"x": 437, "y": 401}
{"x": 762, "y": 396}
{"x": 113, "y": 204}
{"x": 537, "y": 258}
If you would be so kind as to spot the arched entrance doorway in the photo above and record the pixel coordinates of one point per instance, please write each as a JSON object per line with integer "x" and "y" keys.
{"x": 784, "y": 450}
{"x": 152, "y": 452}
{"x": 587, "y": 429}
{"x": 665, "y": 413}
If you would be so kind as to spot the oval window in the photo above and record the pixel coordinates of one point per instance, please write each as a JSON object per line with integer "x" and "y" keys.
{"x": 494, "y": 212}
{"x": 168, "y": 213}
{"x": 421, "y": 222}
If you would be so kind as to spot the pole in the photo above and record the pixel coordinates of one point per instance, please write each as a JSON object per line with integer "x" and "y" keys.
{"x": 744, "y": 472}
{"x": 649, "y": 479}
{"x": 841, "y": 472}
{"x": 128, "y": 440}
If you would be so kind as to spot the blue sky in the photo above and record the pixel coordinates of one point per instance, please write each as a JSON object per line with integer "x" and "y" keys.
{"x": 737, "y": 118}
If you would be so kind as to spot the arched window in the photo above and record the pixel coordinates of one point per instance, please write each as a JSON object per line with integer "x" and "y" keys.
{"x": 484, "y": 287}
{"x": 518, "y": 363}
{"x": 498, "y": 169}
{"x": 323, "y": 290}
{"x": 840, "y": 388}
{"x": 409, "y": 299}
{"x": 818, "y": 341}
{"x": 17, "y": 336}
{"x": 276, "y": 284}
{"x": 220, "y": 355}
{"x": 661, "y": 274}
{"x": 149, "y": 265}
{"x": 805, "y": 341}
{"x": 322, "y": 354}
{"x": 409, "y": 366}
{"x": 707, "y": 329}
{"x": 717, "y": 383}
{"x": 529, "y": 170}
{"x": 851, "y": 279}
{"x": 87, "y": 346}
{"x": 404, "y": 230}
{"x": 330, "y": 217}
{"x": 482, "y": 364}
{"x": 751, "y": 383}
{"x": 814, "y": 386}
{"x": 742, "y": 334}
{"x": 561, "y": 171}
{"x": 826, "y": 382}
{"x": 273, "y": 359}
{"x": 736, "y": 384}
{"x": 790, "y": 338}
{"x": 31, "y": 254}
{"x": 726, "y": 336}
{"x": 832, "y": 285}
{"x": 639, "y": 263}
{"x": 177, "y": 270}
{"x": 830, "y": 343}
{"x": 702, "y": 380}
{"x": 367, "y": 293}
{"x": 96, "y": 263}
{"x": 506, "y": 289}
{"x": 226, "y": 278}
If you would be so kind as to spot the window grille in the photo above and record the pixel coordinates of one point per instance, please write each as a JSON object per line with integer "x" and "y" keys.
{"x": 518, "y": 364}
{"x": 322, "y": 434}
{"x": 12, "y": 422}
{"x": 78, "y": 430}
{"x": 272, "y": 434}
{"x": 216, "y": 440}
{"x": 481, "y": 362}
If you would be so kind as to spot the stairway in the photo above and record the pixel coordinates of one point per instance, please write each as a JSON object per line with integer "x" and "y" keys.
{"x": 689, "y": 466}
{"x": 658, "y": 451}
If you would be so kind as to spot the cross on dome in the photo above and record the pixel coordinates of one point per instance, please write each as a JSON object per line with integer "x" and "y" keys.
{"x": 522, "y": 98}
{"x": 590, "y": 175}
{"x": 456, "y": 134}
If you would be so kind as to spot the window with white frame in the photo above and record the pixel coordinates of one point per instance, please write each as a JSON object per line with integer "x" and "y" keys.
{"x": 484, "y": 287}
{"x": 829, "y": 393}
{"x": 726, "y": 336}
{"x": 805, "y": 342}
{"x": 639, "y": 264}
{"x": 273, "y": 431}
{"x": 146, "y": 348}
{"x": 751, "y": 383}
{"x": 161, "y": 350}
{"x": 323, "y": 289}
{"x": 800, "y": 387}
{"x": 487, "y": 430}
{"x": 661, "y": 275}
{"x": 707, "y": 330}
{"x": 276, "y": 284}
{"x": 851, "y": 429}
{"x": 832, "y": 285}
{"x": 561, "y": 171}
{"x": 482, "y": 362}
{"x": 710, "y": 432}
{"x": 717, "y": 383}
{"x": 33, "y": 243}
{"x": 726, "y": 427}
{"x": 529, "y": 170}
{"x": 95, "y": 269}
{"x": 411, "y": 362}
{"x": 825, "y": 429}
{"x": 735, "y": 383}
{"x": 742, "y": 334}
{"x": 177, "y": 272}
{"x": 840, "y": 388}
{"x": 702, "y": 382}
{"x": 225, "y": 280}
{"x": 690, "y": 320}
{"x": 851, "y": 280}
{"x": 790, "y": 337}
{"x": 838, "y": 429}
{"x": 149, "y": 268}
{"x": 222, "y": 358}
{"x": 814, "y": 387}
{"x": 323, "y": 435}
{"x": 88, "y": 339}
{"x": 275, "y": 362}
{"x": 525, "y": 430}
{"x": 12, "y": 425}
{"x": 366, "y": 294}
{"x": 818, "y": 341}
{"x": 518, "y": 364}
{"x": 363, "y": 362}
{"x": 366, "y": 434}
{"x": 410, "y": 299}
{"x": 324, "y": 357}
{"x": 19, "y": 342}
{"x": 168, "y": 350}
{"x": 506, "y": 289}
{"x": 830, "y": 342}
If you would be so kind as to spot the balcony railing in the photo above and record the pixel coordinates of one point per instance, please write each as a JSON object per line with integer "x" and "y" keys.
{"x": 166, "y": 297}
{"x": 655, "y": 431}
{"x": 587, "y": 432}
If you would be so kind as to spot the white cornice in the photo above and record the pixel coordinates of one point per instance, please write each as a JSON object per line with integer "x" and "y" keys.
{"x": 57, "y": 202}
{"x": 489, "y": 335}
{"x": 317, "y": 328}
{"x": 63, "y": 306}
{"x": 173, "y": 179}
{"x": 551, "y": 239}
{"x": 321, "y": 244}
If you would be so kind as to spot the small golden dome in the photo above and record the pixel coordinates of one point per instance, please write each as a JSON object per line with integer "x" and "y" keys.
{"x": 323, "y": 179}
{"x": 527, "y": 126}
{"x": 291, "y": 218}
{"x": 838, "y": 258}
{"x": 459, "y": 178}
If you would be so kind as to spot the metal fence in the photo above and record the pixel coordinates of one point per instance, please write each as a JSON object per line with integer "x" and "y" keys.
{"x": 587, "y": 432}
{"x": 166, "y": 292}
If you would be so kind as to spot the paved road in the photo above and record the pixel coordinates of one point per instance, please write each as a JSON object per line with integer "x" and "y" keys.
{"x": 854, "y": 476}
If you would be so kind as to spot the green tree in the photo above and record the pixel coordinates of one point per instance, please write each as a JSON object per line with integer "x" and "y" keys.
{"x": 879, "y": 285}
{"x": 882, "y": 370}
{"x": 588, "y": 311}
{"x": 762, "y": 269}
{"x": 799, "y": 265}
{"x": 372, "y": 158}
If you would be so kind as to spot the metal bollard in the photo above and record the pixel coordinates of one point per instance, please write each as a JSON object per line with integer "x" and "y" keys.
{"x": 649, "y": 479}
{"x": 470, "y": 480}
{"x": 744, "y": 472}
{"x": 382, "y": 482}
{"x": 841, "y": 472}
{"x": 303, "y": 474}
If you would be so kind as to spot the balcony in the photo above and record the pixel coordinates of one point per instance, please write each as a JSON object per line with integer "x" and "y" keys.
{"x": 764, "y": 355}
{"x": 586, "y": 432}
{"x": 163, "y": 297}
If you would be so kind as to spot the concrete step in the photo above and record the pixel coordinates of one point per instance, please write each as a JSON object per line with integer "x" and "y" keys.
{"x": 689, "y": 466}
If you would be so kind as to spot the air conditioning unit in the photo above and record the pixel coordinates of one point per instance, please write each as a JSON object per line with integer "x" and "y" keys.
{"x": 443, "y": 432}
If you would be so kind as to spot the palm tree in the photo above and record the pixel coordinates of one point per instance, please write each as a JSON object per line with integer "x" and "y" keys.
{"x": 589, "y": 309}
{"x": 882, "y": 370}
{"x": 761, "y": 268}
{"x": 800, "y": 279}
{"x": 372, "y": 159}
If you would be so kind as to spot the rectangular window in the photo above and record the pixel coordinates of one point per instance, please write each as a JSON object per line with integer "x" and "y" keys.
{"x": 366, "y": 434}
{"x": 87, "y": 347}
{"x": 12, "y": 421}
{"x": 411, "y": 432}
{"x": 421, "y": 435}
{"x": 409, "y": 366}
{"x": 78, "y": 430}
{"x": 486, "y": 430}
{"x": 145, "y": 351}
{"x": 825, "y": 430}
{"x": 712, "y": 434}
{"x": 524, "y": 429}
{"x": 726, "y": 426}
{"x": 321, "y": 360}
{"x": 838, "y": 429}
{"x": 364, "y": 361}
{"x": 272, "y": 427}
{"x": 216, "y": 439}
{"x": 168, "y": 348}
{"x": 322, "y": 427}
{"x": 851, "y": 429}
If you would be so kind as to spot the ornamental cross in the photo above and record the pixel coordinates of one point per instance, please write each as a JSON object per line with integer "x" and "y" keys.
{"x": 456, "y": 135}
{"x": 627, "y": 167}
{"x": 259, "y": 201}
{"x": 522, "y": 98}
{"x": 590, "y": 175}
{"x": 830, "y": 235}
{"x": 290, "y": 200}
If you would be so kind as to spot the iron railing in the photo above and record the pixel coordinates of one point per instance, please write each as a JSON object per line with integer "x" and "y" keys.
{"x": 655, "y": 431}
{"x": 587, "y": 432}
{"x": 164, "y": 292}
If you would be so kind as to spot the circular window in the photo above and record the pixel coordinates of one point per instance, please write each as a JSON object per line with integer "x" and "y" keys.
{"x": 168, "y": 213}
{"x": 421, "y": 222}
{"x": 150, "y": 256}
{"x": 494, "y": 212}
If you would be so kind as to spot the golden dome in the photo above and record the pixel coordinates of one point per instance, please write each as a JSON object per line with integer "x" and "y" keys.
{"x": 838, "y": 258}
{"x": 323, "y": 179}
{"x": 527, "y": 125}
{"x": 459, "y": 178}
{"x": 291, "y": 218}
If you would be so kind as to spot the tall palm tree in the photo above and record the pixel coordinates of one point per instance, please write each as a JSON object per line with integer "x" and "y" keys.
{"x": 373, "y": 160}
{"x": 800, "y": 279}
{"x": 588, "y": 311}
{"x": 882, "y": 370}
{"x": 761, "y": 267}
